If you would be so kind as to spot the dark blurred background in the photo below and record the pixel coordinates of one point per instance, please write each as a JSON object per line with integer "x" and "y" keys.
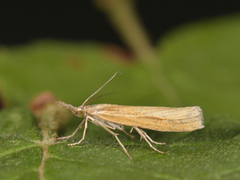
{"x": 80, "y": 20}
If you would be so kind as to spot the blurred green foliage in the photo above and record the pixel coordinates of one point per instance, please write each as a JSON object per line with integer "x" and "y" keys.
{"x": 201, "y": 61}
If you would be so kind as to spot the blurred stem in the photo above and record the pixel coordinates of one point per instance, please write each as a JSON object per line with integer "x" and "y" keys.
{"x": 49, "y": 119}
{"x": 48, "y": 125}
{"x": 123, "y": 16}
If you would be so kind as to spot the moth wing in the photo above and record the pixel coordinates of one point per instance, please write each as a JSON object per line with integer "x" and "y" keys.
{"x": 166, "y": 119}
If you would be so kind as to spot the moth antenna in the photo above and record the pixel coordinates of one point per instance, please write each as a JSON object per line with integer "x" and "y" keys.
{"x": 98, "y": 98}
{"x": 100, "y": 88}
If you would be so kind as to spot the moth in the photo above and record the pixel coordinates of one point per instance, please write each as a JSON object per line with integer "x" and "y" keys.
{"x": 114, "y": 117}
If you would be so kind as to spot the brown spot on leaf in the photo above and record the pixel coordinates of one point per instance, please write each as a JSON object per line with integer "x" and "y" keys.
{"x": 74, "y": 62}
{"x": 50, "y": 117}
{"x": 118, "y": 54}
{"x": 41, "y": 101}
{"x": 3, "y": 103}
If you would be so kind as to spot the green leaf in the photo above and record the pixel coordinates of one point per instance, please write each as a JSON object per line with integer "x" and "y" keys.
{"x": 200, "y": 60}
{"x": 19, "y": 154}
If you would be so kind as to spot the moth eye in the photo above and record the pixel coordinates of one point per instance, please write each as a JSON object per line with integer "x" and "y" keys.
{"x": 80, "y": 113}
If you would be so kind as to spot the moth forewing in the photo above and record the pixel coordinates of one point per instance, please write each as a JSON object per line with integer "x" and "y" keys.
{"x": 155, "y": 118}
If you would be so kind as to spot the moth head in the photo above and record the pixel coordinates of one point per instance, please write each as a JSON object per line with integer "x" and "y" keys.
{"x": 78, "y": 111}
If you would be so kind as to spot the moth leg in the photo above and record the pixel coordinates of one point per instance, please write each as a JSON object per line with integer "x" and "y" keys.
{"x": 115, "y": 135}
{"x": 144, "y": 135}
{"x": 67, "y": 137}
{"x": 131, "y": 130}
{"x": 150, "y": 138}
{"x": 84, "y": 133}
{"x": 127, "y": 133}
